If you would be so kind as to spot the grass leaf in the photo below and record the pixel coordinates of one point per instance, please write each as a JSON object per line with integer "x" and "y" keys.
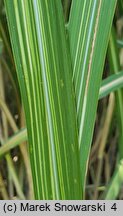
{"x": 43, "y": 66}
{"x": 88, "y": 45}
{"x": 114, "y": 186}
{"x": 14, "y": 141}
{"x": 115, "y": 67}
{"x": 110, "y": 84}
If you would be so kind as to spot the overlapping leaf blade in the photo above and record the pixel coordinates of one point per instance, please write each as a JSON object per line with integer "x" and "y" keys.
{"x": 112, "y": 83}
{"x": 43, "y": 67}
{"x": 88, "y": 30}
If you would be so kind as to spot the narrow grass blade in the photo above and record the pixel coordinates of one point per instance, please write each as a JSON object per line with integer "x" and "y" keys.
{"x": 14, "y": 141}
{"x": 9, "y": 59}
{"x": 43, "y": 66}
{"x": 114, "y": 186}
{"x": 115, "y": 67}
{"x": 5, "y": 115}
{"x": 112, "y": 83}
{"x": 103, "y": 141}
{"x": 88, "y": 44}
{"x": 120, "y": 43}
{"x": 14, "y": 177}
{"x": 3, "y": 189}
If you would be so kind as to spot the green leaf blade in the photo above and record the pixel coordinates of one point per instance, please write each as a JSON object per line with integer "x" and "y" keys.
{"x": 115, "y": 184}
{"x": 88, "y": 43}
{"x": 110, "y": 84}
{"x": 43, "y": 67}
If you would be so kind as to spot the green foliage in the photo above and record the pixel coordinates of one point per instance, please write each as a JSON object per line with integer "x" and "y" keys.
{"x": 110, "y": 84}
{"x": 88, "y": 55}
{"x": 113, "y": 188}
{"x": 59, "y": 69}
{"x": 43, "y": 67}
